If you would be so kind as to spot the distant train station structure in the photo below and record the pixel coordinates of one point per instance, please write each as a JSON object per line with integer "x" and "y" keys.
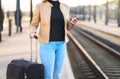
{"x": 107, "y": 12}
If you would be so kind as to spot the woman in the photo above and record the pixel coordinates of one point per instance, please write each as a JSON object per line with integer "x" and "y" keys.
{"x": 54, "y": 20}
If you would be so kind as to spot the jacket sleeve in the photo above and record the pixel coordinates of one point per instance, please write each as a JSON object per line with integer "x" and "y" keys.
{"x": 69, "y": 25}
{"x": 35, "y": 20}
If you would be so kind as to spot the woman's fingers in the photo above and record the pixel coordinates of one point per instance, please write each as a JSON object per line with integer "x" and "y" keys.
{"x": 74, "y": 20}
{"x": 31, "y": 35}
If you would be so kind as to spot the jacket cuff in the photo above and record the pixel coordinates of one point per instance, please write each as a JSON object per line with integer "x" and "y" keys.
{"x": 70, "y": 26}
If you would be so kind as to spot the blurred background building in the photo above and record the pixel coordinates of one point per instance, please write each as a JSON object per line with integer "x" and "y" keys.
{"x": 108, "y": 11}
{"x": 103, "y": 10}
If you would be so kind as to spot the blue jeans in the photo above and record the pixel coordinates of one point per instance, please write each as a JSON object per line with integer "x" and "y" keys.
{"x": 52, "y": 57}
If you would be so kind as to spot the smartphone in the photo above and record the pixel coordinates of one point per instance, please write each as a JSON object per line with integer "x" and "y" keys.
{"x": 78, "y": 18}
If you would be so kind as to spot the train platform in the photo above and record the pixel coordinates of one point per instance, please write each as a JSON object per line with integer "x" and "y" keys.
{"x": 18, "y": 47}
{"x": 111, "y": 28}
{"x": 110, "y": 32}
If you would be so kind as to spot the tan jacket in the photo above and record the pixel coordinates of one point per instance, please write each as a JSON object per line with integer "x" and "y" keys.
{"x": 41, "y": 18}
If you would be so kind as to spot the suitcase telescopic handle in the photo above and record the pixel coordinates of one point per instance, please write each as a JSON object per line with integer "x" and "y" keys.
{"x": 31, "y": 54}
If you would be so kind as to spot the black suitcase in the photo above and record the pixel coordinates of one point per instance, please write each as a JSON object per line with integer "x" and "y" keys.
{"x": 24, "y": 69}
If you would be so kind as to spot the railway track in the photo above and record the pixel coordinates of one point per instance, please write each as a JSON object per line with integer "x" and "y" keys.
{"x": 107, "y": 38}
{"x": 91, "y": 59}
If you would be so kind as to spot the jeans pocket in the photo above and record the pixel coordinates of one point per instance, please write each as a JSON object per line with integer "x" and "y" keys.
{"x": 43, "y": 45}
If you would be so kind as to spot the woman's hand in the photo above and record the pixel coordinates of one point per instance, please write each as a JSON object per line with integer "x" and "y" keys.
{"x": 32, "y": 35}
{"x": 74, "y": 20}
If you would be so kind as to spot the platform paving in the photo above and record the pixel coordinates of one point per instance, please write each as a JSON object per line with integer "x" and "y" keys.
{"x": 111, "y": 28}
{"x": 110, "y": 32}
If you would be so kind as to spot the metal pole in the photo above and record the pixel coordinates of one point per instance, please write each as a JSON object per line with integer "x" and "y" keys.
{"x": 0, "y": 27}
{"x": 17, "y": 14}
{"x": 1, "y": 21}
{"x": 107, "y": 14}
{"x": 118, "y": 18}
{"x": 100, "y": 12}
{"x": 89, "y": 13}
{"x": 31, "y": 13}
{"x": 0, "y": 3}
{"x": 83, "y": 13}
{"x": 10, "y": 27}
{"x": 0, "y": 37}
{"x": 94, "y": 14}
